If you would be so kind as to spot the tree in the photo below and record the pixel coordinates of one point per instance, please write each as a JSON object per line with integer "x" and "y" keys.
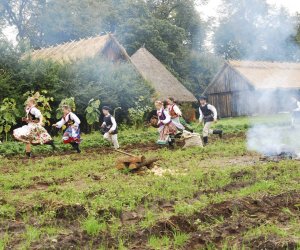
{"x": 254, "y": 30}
{"x": 8, "y": 116}
{"x": 43, "y": 102}
{"x": 92, "y": 112}
{"x": 21, "y": 14}
{"x": 70, "y": 101}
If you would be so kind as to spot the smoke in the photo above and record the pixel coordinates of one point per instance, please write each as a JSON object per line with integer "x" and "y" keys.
{"x": 267, "y": 34}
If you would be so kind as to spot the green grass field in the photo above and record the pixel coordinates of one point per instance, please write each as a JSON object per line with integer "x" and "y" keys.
{"x": 218, "y": 197}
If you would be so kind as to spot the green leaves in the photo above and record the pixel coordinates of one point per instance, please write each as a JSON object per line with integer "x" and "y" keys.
{"x": 92, "y": 111}
{"x": 43, "y": 103}
{"x": 67, "y": 101}
{"x": 137, "y": 113}
{"x": 8, "y": 115}
{"x": 7, "y": 128}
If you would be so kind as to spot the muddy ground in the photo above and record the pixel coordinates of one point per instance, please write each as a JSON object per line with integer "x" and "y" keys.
{"x": 208, "y": 228}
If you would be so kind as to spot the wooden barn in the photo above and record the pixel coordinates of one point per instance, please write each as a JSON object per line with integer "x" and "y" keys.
{"x": 105, "y": 45}
{"x": 160, "y": 78}
{"x": 254, "y": 87}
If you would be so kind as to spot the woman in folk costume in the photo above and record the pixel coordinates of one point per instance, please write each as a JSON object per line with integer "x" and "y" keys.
{"x": 33, "y": 133}
{"x": 165, "y": 125}
{"x": 175, "y": 113}
{"x": 72, "y": 133}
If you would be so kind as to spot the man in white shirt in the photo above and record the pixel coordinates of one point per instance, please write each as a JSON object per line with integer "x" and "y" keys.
{"x": 208, "y": 116}
{"x": 110, "y": 127}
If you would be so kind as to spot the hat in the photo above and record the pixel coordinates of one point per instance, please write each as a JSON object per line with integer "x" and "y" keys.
{"x": 203, "y": 98}
{"x": 106, "y": 108}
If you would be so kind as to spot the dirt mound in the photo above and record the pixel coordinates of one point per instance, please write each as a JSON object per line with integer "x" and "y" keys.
{"x": 71, "y": 212}
{"x": 231, "y": 219}
{"x": 271, "y": 242}
{"x": 238, "y": 216}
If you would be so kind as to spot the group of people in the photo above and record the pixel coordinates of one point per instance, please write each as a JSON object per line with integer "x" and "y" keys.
{"x": 34, "y": 133}
{"x": 168, "y": 120}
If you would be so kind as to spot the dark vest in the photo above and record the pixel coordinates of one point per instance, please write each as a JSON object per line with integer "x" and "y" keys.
{"x": 108, "y": 122}
{"x": 208, "y": 115}
{"x": 70, "y": 122}
{"x": 162, "y": 116}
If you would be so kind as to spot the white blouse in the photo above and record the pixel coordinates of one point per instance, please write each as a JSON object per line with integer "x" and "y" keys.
{"x": 65, "y": 119}
{"x": 34, "y": 111}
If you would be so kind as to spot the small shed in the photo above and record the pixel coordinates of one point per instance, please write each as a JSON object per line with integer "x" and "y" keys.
{"x": 160, "y": 78}
{"x": 73, "y": 51}
{"x": 254, "y": 87}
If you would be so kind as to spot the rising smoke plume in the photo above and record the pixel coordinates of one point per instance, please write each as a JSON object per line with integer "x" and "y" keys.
{"x": 274, "y": 34}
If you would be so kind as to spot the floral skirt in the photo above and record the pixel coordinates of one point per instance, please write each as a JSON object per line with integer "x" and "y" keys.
{"x": 32, "y": 133}
{"x": 166, "y": 130}
{"x": 71, "y": 135}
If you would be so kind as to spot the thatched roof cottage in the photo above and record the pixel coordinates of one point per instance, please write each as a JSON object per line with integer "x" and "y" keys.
{"x": 159, "y": 77}
{"x": 254, "y": 87}
{"x": 73, "y": 51}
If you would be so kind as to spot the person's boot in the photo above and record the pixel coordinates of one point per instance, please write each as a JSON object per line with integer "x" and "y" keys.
{"x": 76, "y": 147}
{"x": 218, "y": 132}
{"x": 205, "y": 140}
{"x": 28, "y": 154}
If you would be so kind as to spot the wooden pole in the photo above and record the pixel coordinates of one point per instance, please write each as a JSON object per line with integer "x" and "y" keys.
{"x": 125, "y": 153}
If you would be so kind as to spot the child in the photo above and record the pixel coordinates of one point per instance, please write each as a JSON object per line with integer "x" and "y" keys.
{"x": 33, "y": 133}
{"x": 166, "y": 126}
{"x": 110, "y": 127}
{"x": 72, "y": 133}
{"x": 208, "y": 116}
{"x": 175, "y": 113}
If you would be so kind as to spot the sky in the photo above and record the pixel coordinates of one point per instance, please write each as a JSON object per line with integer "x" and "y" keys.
{"x": 206, "y": 11}
{"x": 210, "y": 10}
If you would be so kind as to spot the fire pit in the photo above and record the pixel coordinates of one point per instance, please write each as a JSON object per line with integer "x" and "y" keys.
{"x": 285, "y": 153}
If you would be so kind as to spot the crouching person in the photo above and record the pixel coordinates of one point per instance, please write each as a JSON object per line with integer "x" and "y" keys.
{"x": 110, "y": 127}
{"x": 72, "y": 133}
{"x": 208, "y": 116}
{"x": 165, "y": 125}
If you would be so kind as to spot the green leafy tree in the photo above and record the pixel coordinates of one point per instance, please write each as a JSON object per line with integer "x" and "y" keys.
{"x": 43, "y": 103}
{"x": 8, "y": 116}
{"x": 116, "y": 85}
{"x": 255, "y": 30}
{"x": 92, "y": 112}
{"x": 67, "y": 101}
{"x": 22, "y": 15}
{"x": 138, "y": 112}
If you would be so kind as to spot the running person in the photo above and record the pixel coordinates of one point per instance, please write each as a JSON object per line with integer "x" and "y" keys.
{"x": 33, "y": 133}
{"x": 165, "y": 125}
{"x": 208, "y": 116}
{"x": 110, "y": 127}
{"x": 72, "y": 133}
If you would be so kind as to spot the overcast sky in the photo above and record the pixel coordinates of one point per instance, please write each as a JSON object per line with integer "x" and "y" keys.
{"x": 207, "y": 11}
{"x": 210, "y": 10}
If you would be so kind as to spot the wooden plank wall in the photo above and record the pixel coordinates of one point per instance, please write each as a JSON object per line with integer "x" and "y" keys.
{"x": 228, "y": 81}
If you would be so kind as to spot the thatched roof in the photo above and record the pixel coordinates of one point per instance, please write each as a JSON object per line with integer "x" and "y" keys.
{"x": 82, "y": 49}
{"x": 260, "y": 75}
{"x": 265, "y": 75}
{"x": 165, "y": 84}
